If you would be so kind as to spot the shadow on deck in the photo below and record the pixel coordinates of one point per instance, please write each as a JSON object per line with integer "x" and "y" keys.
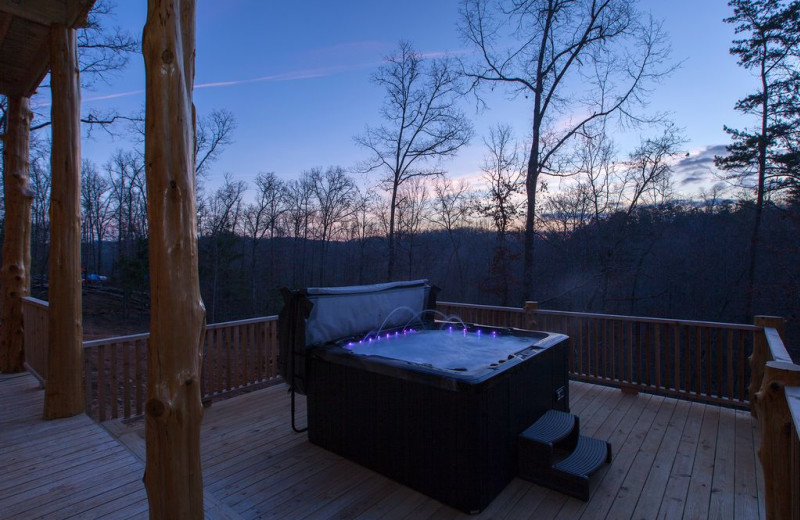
{"x": 672, "y": 459}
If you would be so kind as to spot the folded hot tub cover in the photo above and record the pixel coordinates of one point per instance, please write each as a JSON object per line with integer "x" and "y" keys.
{"x": 318, "y": 315}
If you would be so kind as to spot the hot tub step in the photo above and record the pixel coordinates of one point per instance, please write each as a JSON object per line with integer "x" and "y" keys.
{"x": 556, "y": 428}
{"x": 539, "y": 446}
{"x": 573, "y": 474}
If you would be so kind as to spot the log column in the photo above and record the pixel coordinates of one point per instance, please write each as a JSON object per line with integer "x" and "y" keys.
{"x": 173, "y": 474}
{"x": 15, "y": 272}
{"x": 64, "y": 388}
{"x": 530, "y": 315}
{"x": 775, "y": 422}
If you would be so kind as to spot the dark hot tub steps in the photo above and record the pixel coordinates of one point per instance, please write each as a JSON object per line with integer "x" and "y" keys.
{"x": 552, "y": 453}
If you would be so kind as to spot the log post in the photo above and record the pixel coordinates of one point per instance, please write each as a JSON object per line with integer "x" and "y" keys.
{"x": 761, "y": 354}
{"x": 173, "y": 412}
{"x": 530, "y": 315}
{"x": 775, "y": 423}
{"x": 64, "y": 388}
{"x": 15, "y": 272}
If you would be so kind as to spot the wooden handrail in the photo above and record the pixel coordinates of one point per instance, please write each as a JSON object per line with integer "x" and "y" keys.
{"x": 778, "y": 451}
{"x": 690, "y": 359}
{"x": 775, "y": 401}
{"x": 793, "y": 401}
{"x": 237, "y": 354}
{"x": 35, "y": 316}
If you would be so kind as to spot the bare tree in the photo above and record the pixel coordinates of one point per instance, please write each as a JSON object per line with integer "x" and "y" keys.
{"x": 214, "y": 133}
{"x": 453, "y": 204}
{"x": 577, "y": 61}
{"x": 647, "y": 174}
{"x": 363, "y": 226}
{"x": 504, "y": 177}
{"x": 128, "y": 200}
{"x": 40, "y": 207}
{"x": 225, "y": 209}
{"x": 593, "y": 161}
{"x": 300, "y": 214}
{"x": 413, "y": 210}
{"x": 261, "y": 219}
{"x": 423, "y": 125}
{"x": 333, "y": 193}
{"x": 97, "y": 214}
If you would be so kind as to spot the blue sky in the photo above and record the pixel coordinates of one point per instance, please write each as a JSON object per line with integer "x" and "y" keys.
{"x": 296, "y": 76}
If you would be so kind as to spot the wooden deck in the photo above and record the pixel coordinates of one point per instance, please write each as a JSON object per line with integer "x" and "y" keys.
{"x": 672, "y": 459}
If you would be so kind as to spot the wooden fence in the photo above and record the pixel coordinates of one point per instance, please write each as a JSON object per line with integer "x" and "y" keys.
{"x": 696, "y": 360}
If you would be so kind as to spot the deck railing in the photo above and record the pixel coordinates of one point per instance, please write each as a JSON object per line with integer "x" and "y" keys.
{"x": 697, "y": 360}
{"x": 35, "y": 336}
{"x": 775, "y": 396}
{"x": 236, "y": 355}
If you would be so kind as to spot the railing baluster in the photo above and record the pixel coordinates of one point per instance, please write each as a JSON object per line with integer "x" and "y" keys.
{"x": 646, "y": 353}
{"x": 743, "y": 384}
{"x": 114, "y": 382}
{"x": 676, "y": 344}
{"x": 139, "y": 383}
{"x": 101, "y": 387}
{"x": 630, "y": 353}
{"x": 126, "y": 376}
{"x": 657, "y": 353}
{"x": 273, "y": 349}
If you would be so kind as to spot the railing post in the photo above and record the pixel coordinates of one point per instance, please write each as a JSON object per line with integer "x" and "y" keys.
{"x": 530, "y": 315}
{"x": 775, "y": 422}
{"x": 761, "y": 355}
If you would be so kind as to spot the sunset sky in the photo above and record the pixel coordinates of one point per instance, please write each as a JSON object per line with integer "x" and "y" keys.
{"x": 296, "y": 76}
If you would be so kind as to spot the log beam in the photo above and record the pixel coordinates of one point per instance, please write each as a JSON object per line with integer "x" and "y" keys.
{"x": 64, "y": 389}
{"x": 775, "y": 422}
{"x": 173, "y": 413}
{"x": 15, "y": 272}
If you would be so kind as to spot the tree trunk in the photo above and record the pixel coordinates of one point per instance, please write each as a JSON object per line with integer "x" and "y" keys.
{"x": 173, "y": 475}
{"x": 391, "y": 256}
{"x": 64, "y": 390}
{"x": 16, "y": 269}
{"x": 752, "y": 264}
{"x": 530, "y": 233}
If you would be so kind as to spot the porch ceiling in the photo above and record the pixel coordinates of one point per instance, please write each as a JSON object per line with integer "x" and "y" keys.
{"x": 24, "y": 39}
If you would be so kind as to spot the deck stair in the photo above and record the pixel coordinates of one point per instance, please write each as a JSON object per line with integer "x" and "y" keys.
{"x": 552, "y": 453}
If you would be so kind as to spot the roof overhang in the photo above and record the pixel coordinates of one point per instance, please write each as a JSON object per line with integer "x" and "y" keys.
{"x": 25, "y": 36}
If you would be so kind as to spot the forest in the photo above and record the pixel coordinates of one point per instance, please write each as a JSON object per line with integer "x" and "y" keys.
{"x": 563, "y": 216}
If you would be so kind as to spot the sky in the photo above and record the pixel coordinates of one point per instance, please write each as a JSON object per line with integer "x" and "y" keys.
{"x": 297, "y": 78}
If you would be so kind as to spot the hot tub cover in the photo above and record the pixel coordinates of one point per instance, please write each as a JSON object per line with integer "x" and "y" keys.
{"x": 318, "y": 315}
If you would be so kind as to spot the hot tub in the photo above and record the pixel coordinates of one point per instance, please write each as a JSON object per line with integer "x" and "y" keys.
{"x": 446, "y": 430}
{"x": 438, "y": 408}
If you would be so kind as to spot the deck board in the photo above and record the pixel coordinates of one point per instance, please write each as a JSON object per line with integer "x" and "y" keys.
{"x": 65, "y": 468}
{"x": 672, "y": 459}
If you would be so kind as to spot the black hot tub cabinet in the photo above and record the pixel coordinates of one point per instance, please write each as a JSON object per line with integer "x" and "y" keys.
{"x": 447, "y": 431}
